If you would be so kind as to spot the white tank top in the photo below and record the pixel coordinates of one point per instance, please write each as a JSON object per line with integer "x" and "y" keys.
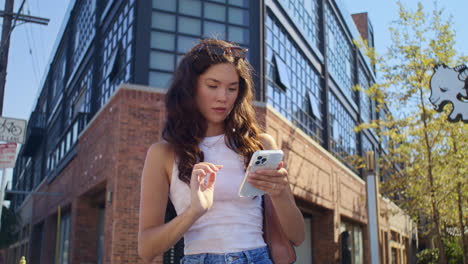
{"x": 233, "y": 223}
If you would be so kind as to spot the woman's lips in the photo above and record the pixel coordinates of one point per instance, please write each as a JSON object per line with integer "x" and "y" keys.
{"x": 219, "y": 110}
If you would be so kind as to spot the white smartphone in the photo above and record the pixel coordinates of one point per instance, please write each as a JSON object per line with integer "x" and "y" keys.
{"x": 262, "y": 159}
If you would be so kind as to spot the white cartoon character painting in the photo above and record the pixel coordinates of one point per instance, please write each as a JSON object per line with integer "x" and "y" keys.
{"x": 450, "y": 85}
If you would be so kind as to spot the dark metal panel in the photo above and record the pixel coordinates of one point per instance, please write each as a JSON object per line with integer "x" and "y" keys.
{"x": 325, "y": 77}
{"x": 142, "y": 42}
{"x": 257, "y": 46}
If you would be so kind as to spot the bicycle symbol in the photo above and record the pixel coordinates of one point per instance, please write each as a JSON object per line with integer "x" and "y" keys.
{"x": 10, "y": 127}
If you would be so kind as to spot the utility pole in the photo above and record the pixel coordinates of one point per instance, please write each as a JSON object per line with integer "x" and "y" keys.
{"x": 7, "y": 29}
{"x": 9, "y": 23}
{"x": 4, "y": 48}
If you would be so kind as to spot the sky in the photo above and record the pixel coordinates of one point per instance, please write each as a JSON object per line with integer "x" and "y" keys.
{"x": 383, "y": 12}
{"x": 31, "y": 44}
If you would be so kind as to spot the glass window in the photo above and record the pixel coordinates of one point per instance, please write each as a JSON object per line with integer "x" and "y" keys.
{"x": 283, "y": 75}
{"x": 75, "y": 132}
{"x": 309, "y": 6}
{"x": 189, "y": 26}
{"x": 238, "y": 16}
{"x": 100, "y": 241}
{"x": 69, "y": 139}
{"x": 351, "y": 243}
{"x": 348, "y": 67}
{"x": 160, "y": 40}
{"x": 64, "y": 239}
{"x": 215, "y": 12}
{"x": 184, "y": 44}
{"x": 304, "y": 14}
{"x": 190, "y": 7}
{"x": 162, "y": 61}
{"x": 160, "y": 79}
{"x": 331, "y": 40}
{"x": 357, "y": 245}
{"x": 243, "y": 3}
{"x": 340, "y": 55}
{"x": 58, "y": 153}
{"x": 287, "y": 66}
{"x": 84, "y": 29}
{"x": 335, "y": 130}
{"x": 314, "y": 105}
{"x": 365, "y": 104}
{"x": 238, "y": 35}
{"x": 165, "y": 5}
{"x": 344, "y": 141}
{"x": 214, "y": 30}
{"x": 304, "y": 251}
{"x": 64, "y": 151}
{"x": 163, "y": 21}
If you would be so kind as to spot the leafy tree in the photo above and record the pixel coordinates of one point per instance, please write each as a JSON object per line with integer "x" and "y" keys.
{"x": 9, "y": 226}
{"x": 425, "y": 157}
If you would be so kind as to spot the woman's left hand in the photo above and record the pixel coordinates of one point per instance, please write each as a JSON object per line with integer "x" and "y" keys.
{"x": 273, "y": 182}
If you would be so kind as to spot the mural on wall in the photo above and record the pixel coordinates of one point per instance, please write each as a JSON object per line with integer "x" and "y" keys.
{"x": 450, "y": 85}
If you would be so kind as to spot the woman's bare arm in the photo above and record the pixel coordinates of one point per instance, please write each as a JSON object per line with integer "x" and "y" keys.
{"x": 289, "y": 215}
{"x": 155, "y": 236}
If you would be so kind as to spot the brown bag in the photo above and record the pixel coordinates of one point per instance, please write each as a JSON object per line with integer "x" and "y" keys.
{"x": 281, "y": 249}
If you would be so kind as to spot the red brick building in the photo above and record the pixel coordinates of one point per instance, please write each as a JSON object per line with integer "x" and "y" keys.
{"x": 102, "y": 182}
{"x": 80, "y": 167}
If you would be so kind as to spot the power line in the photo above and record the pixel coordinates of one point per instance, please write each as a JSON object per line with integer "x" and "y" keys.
{"x": 41, "y": 39}
{"x": 34, "y": 57}
{"x": 34, "y": 63}
{"x": 37, "y": 45}
{"x": 7, "y": 29}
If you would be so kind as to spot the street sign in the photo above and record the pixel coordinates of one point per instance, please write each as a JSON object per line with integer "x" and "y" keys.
{"x": 12, "y": 130}
{"x": 7, "y": 155}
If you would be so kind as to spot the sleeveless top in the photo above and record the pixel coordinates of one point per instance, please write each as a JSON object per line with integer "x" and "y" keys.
{"x": 233, "y": 223}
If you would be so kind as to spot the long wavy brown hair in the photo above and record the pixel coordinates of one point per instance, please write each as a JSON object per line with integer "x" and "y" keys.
{"x": 185, "y": 126}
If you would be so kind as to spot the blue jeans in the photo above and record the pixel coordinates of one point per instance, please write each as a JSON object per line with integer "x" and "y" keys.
{"x": 252, "y": 256}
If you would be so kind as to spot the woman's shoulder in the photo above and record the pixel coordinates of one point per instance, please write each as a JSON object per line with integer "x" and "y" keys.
{"x": 161, "y": 147}
{"x": 267, "y": 141}
{"x": 162, "y": 152}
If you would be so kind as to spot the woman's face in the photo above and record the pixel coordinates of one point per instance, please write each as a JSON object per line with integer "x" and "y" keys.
{"x": 217, "y": 90}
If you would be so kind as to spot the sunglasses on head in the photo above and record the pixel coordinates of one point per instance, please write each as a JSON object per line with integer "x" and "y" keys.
{"x": 235, "y": 51}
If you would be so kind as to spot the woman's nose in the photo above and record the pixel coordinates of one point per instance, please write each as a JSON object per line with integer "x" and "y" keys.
{"x": 221, "y": 94}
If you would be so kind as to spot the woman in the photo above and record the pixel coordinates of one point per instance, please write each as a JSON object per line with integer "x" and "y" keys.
{"x": 209, "y": 136}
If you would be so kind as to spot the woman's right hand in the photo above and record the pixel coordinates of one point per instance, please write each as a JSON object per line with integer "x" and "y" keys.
{"x": 202, "y": 186}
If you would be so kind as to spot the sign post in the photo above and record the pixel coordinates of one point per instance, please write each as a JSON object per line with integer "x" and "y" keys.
{"x": 13, "y": 131}
{"x": 372, "y": 207}
{"x": 7, "y": 160}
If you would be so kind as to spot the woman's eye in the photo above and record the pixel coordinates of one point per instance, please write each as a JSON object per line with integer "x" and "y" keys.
{"x": 212, "y": 86}
{"x": 232, "y": 89}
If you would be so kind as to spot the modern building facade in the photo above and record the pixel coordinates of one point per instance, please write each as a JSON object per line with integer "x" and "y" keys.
{"x": 101, "y": 107}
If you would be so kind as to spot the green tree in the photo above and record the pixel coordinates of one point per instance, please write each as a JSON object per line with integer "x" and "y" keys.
{"x": 425, "y": 158}
{"x": 8, "y": 228}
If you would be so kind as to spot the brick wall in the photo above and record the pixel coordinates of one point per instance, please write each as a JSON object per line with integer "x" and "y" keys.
{"x": 361, "y": 23}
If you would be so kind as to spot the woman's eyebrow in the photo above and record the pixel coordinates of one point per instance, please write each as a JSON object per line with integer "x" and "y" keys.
{"x": 216, "y": 81}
